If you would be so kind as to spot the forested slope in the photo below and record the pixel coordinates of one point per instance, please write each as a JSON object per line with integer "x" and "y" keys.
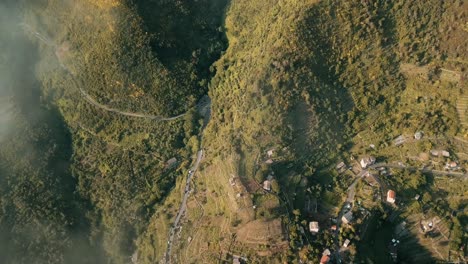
{"x": 310, "y": 81}
{"x": 113, "y": 168}
{"x": 41, "y": 218}
{"x": 295, "y": 87}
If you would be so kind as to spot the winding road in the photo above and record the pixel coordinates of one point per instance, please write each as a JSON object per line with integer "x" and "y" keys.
{"x": 90, "y": 100}
{"x": 93, "y": 102}
{"x": 85, "y": 95}
{"x": 183, "y": 207}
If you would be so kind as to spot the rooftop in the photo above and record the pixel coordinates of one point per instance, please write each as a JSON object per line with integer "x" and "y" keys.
{"x": 346, "y": 243}
{"x": 267, "y": 185}
{"x": 348, "y": 217}
{"x": 314, "y": 227}
{"x": 324, "y": 259}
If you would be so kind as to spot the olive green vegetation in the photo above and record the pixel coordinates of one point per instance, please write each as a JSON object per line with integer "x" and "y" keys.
{"x": 41, "y": 216}
{"x": 313, "y": 80}
{"x": 77, "y": 177}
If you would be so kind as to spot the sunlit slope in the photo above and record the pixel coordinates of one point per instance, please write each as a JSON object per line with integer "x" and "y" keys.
{"x": 312, "y": 81}
{"x": 265, "y": 96}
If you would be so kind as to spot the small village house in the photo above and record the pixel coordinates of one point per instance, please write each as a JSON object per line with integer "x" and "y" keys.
{"x": 267, "y": 185}
{"x": 418, "y": 135}
{"x": 333, "y": 228}
{"x": 367, "y": 161}
{"x": 340, "y": 165}
{"x": 451, "y": 165}
{"x": 399, "y": 140}
{"x": 314, "y": 227}
{"x": 445, "y": 154}
{"x": 270, "y": 153}
{"x": 325, "y": 256}
{"x": 391, "y": 196}
{"x": 324, "y": 259}
{"x": 346, "y": 243}
{"x": 347, "y": 218}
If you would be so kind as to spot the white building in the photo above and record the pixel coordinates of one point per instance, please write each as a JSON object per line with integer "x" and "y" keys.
{"x": 418, "y": 135}
{"x": 270, "y": 153}
{"x": 314, "y": 227}
{"x": 391, "y": 196}
{"x": 267, "y": 185}
{"x": 367, "y": 161}
{"x": 346, "y": 243}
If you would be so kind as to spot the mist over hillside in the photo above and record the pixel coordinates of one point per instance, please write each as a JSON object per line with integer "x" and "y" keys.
{"x": 216, "y": 131}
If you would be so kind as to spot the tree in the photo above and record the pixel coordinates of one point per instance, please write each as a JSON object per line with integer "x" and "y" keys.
{"x": 275, "y": 186}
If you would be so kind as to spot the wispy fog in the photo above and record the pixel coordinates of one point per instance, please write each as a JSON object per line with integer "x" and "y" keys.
{"x": 17, "y": 60}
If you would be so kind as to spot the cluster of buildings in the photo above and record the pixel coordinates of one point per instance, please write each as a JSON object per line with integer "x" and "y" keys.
{"x": 450, "y": 164}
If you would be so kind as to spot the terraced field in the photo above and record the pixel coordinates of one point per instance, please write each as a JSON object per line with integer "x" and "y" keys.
{"x": 462, "y": 107}
{"x": 417, "y": 247}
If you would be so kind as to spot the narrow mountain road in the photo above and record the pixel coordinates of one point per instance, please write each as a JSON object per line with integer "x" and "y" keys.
{"x": 461, "y": 175}
{"x": 346, "y": 207}
{"x": 90, "y": 100}
{"x": 183, "y": 207}
{"x": 204, "y": 108}
{"x": 93, "y": 102}
{"x": 85, "y": 95}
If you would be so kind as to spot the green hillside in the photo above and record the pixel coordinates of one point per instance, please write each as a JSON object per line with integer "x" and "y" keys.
{"x": 105, "y": 106}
